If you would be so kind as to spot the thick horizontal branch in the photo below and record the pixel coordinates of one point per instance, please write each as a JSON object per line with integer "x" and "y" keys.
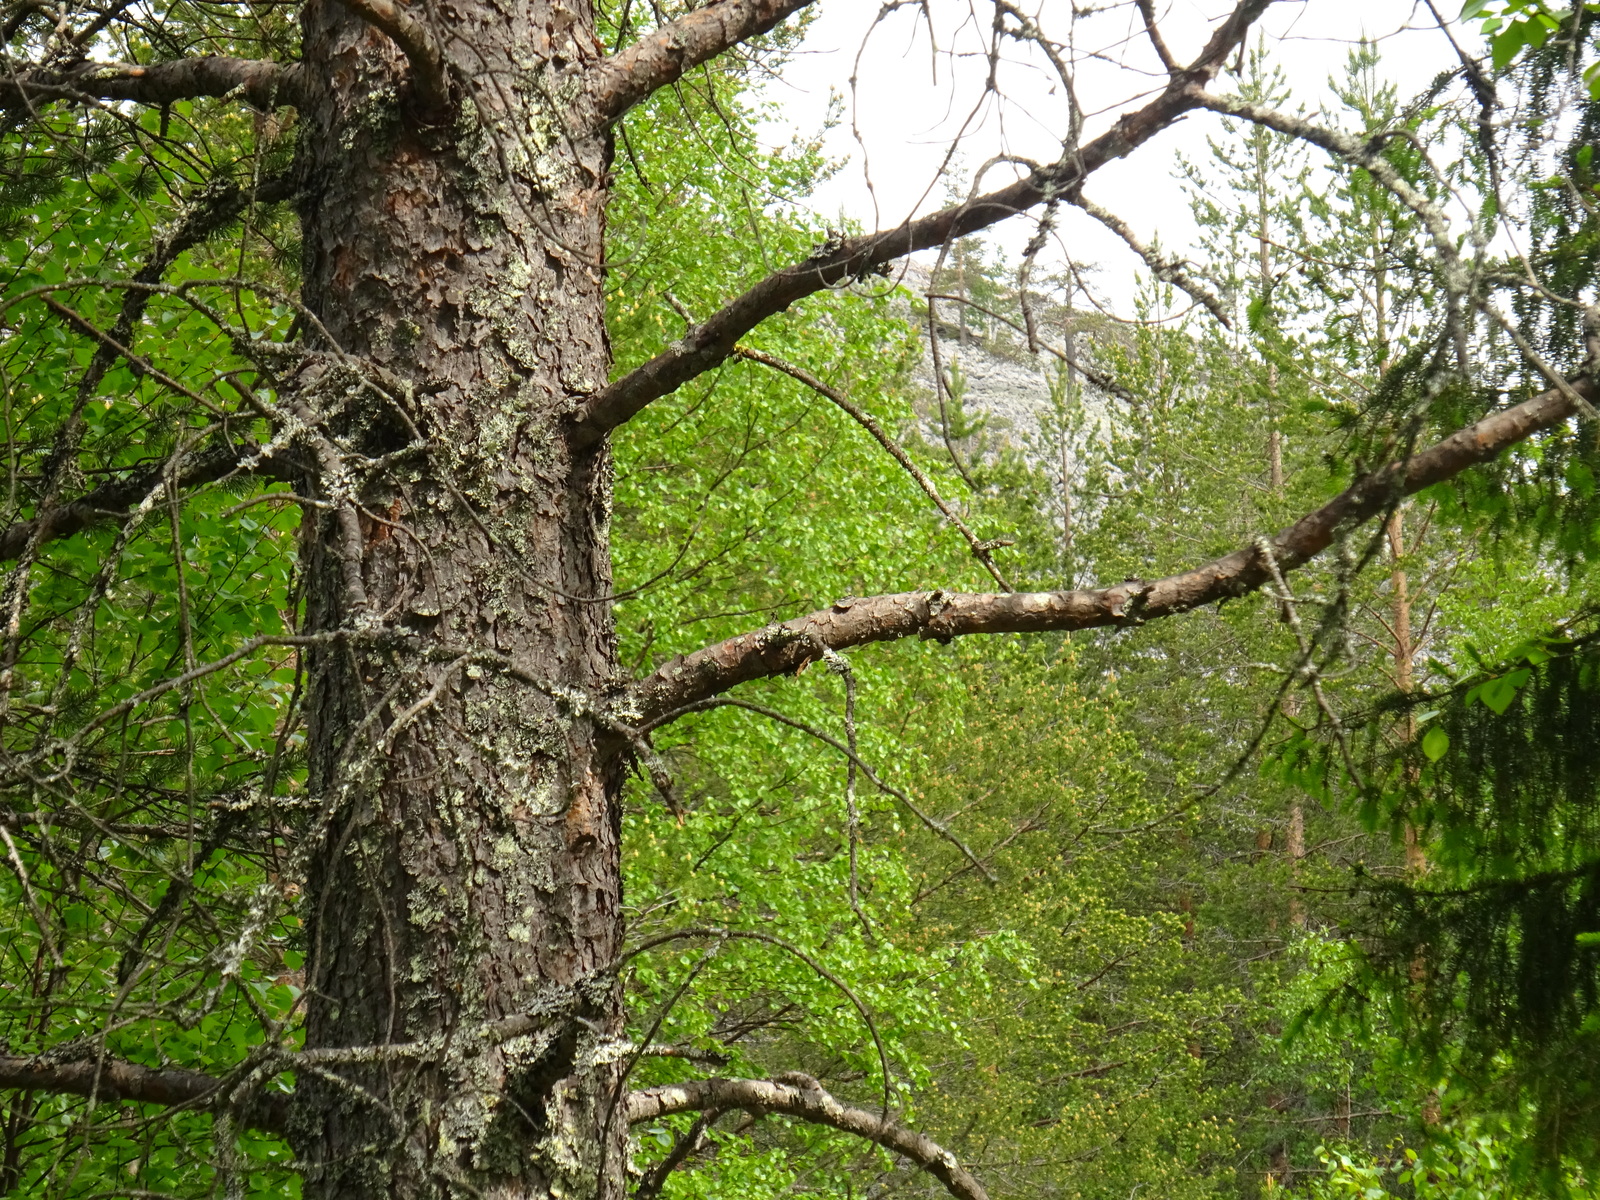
{"x": 112, "y": 501}
{"x": 265, "y": 84}
{"x": 111, "y": 1081}
{"x": 806, "y": 1102}
{"x": 709, "y": 344}
{"x": 783, "y": 649}
{"x": 663, "y": 56}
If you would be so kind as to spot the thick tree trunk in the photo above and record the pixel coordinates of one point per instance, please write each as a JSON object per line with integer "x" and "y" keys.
{"x": 469, "y": 873}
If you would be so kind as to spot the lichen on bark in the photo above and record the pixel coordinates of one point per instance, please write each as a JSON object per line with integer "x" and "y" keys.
{"x": 477, "y": 865}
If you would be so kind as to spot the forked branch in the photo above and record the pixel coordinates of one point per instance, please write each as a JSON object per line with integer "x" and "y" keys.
{"x": 1360, "y": 152}
{"x": 663, "y": 56}
{"x": 429, "y": 76}
{"x": 781, "y": 649}
{"x": 709, "y": 344}
{"x": 806, "y": 1101}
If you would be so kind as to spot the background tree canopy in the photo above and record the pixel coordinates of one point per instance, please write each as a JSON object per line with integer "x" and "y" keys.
{"x": 428, "y": 428}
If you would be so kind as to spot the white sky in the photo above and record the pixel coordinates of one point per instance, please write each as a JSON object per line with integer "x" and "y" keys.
{"x": 906, "y": 120}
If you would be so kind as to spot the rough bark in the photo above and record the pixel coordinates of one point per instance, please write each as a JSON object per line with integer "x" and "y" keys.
{"x": 783, "y": 649}
{"x": 429, "y": 73}
{"x": 465, "y": 866}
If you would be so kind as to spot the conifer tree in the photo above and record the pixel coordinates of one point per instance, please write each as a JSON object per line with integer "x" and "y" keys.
{"x": 323, "y": 374}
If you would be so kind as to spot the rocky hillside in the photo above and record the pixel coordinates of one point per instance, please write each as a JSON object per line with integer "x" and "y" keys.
{"x": 1004, "y": 381}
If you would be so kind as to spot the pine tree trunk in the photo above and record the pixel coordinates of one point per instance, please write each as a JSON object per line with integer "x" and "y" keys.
{"x": 1296, "y": 851}
{"x": 1404, "y": 656}
{"x": 1069, "y": 341}
{"x": 1264, "y": 280}
{"x": 470, "y": 872}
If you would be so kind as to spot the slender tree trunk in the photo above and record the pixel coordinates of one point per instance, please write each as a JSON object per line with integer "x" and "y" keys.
{"x": 1404, "y": 653}
{"x": 1295, "y": 842}
{"x": 1400, "y": 608}
{"x": 1296, "y": 849}
{"x": 1067, "y": 530}
{"x": 470, "y": 871}
{"x": 1264, "y": 268}
{"x": 1069, "y": 339}
{"x": 1275, "y": 447}
{"x": 1380, "y": 294}
{"x": 961, "y": 291}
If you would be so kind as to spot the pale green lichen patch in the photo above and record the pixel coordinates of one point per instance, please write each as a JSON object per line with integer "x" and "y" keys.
{"x": 374, "y": 124}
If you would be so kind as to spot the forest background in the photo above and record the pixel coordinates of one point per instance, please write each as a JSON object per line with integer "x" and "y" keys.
{"x": 1236, "y": 903}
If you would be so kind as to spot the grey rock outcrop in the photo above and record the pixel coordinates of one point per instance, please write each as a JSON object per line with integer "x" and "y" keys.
{"x": 1004, "y": 381}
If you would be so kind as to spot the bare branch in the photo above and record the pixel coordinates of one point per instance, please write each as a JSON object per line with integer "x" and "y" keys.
{"x": 781, "y": 649}
{"x": 684, "y": 1148}
{"x": 200, "y": 217}
{"x": 710, "y": 343}
{"x": 981, "y": 550}
{"x": 1147, "y": 10}
{"x": 661, "y": 57}
{"x": 111, "y": 1081}
{"x": 805, "y": 1101}
{"x": 111, "y": 501}
{"x": 1168, "y": 270}
{"x": 714, "y": 1058}
{"x": 935, "y": 826}
{"x": 264, "y": 84}
{"x": 141, "y": 365}
{"x": 755, "y": 935}
{"x": 422, "y": 50}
